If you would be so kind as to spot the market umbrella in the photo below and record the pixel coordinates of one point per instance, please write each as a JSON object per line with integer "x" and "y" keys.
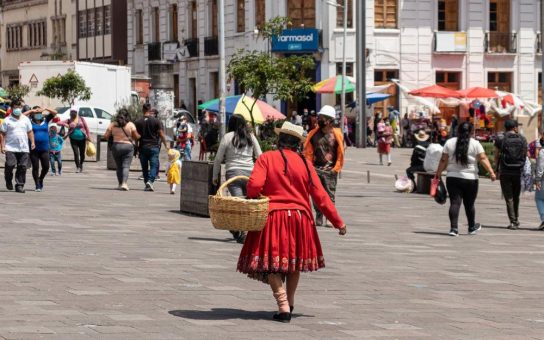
{"x": 435, "y": 91}
{"x": 477, "y": 92}
{"x": 333, "y": 85}
{"x": 371, "y": 98}
{"x": 3, "y": 93}
{"x": 242, "y": 105}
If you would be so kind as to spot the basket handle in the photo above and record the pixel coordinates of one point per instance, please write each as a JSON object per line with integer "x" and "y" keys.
{"x": 224, "y": 185}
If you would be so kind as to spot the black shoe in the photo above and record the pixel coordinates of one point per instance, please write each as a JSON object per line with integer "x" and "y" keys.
{"x": 541, "y": 227}
{"x": 513, "y": 226}
{"x": 282, "y": 317}
{"x": 20, "y": 189}
{"x": 291, "y": 308}
{"x": 474, "y": 231}
{"x": 241, "y": 238}
{"x": 319, "y": 221}
{"x": 9, "y": 186}
{"x": 453, "y": 232}
{"x": 235, "y": 234}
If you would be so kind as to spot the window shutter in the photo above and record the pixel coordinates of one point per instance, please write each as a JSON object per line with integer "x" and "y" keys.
{"x": 503, "y": 16}
{"x": 452, "y": 16}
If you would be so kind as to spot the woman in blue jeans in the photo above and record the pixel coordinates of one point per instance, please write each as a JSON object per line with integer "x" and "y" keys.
{"x": 238, "y": 149}
{"x": 539, "y": 194}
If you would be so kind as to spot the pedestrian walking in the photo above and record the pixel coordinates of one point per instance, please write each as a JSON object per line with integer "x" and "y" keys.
{"x": 173, "y": 170}
{"x": 324, "y": 148}
{"x": 79, "y": 134}
{"x": 289, "y": 243}
{"x": 346, "y": 131}
{"x": 539, "y": 194}
{"x": 461, "y": 156}
{"x": 418, "y": 155}
{"x": 239, "y": 149}
{"x": 385, "y": 138}
{"x": 124, "y": 135}
{"x": 56, "y": 143}
{"x": 16, "y": 141}
{"x": 510, "y": 158}
{"x": 39, "y": 156}
{"x": 151, "y": 134}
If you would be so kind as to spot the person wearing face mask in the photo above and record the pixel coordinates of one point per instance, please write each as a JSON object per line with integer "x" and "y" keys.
{"x": 15, "y": 135}
{"x": 324, "y": 148}
{"x": 385, "y": 138}
{"x": 40, "y": 119}
{"x": 79, "y": 134}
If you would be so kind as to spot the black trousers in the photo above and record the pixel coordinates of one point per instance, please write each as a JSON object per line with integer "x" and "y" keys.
{"x": 328, "y": 180}
{"x": 511, "y": 190}
{"x": 462, "y": 191}
{"x": 38, "y": 158}
{"x": 412, "y": 170}
{"x": 19, "y": 160}
{"x": 78, "y": 147}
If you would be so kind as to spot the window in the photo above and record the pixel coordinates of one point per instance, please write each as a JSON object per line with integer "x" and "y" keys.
{"x": 102, "y": 114}
{"x": 539, "y": 90}
{"x": 194, "y": 20}
{"x": 90, "y": 22}
{"x": 260, "y": 13}
{"x": 107, "y": 19}
{"x": 174, "y": 22}
{"x": 448, "y": 15}
{"x": 14, "y": 37}
{"x": 82, "y": 22}
{"x": 385, "y": 13}
{"x": 139, "y": 30}
{"x": 383, "y": 77}
{"x": 500, "y": 80}
{"x": 155, "y": 24}
{"x": 499, "y": 16}
{"x": 452, "y": 81}
{"x": 86, "y": 112}
{"x": 213, "y": 19}
{"x": 99, "y": 21}
{"x": 240, "y": 15}
{"x": 37, "y": 35}
{"x": 301, "y": 12}
{"x": 349, "y": 73}
{"x": 340, "y": 13}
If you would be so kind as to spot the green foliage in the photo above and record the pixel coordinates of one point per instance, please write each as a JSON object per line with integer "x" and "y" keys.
{"x": 135, "y": 110}
{"x": 273, "y": 27}
{"x": 267, "y": 136}
{"x": 67, "y": 88}
{"x": 18, "y": 91}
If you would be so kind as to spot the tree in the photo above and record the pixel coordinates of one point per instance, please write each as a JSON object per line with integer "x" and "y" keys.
{"x": 286, "y": 78}
{"x": 67, "y": 88}
{"x": 18, "y": 91}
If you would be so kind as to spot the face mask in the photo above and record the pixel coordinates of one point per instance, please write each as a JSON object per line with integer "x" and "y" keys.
{"x": 38, "y": 117}
{"x": 17, "y": 112}
{"x": 321, "y": 124}
{"x": 52, "y": 133}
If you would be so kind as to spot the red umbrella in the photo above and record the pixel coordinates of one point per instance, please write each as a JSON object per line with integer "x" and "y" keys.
{"x": 435, "y": 91}
{"x": 477, "y": 92}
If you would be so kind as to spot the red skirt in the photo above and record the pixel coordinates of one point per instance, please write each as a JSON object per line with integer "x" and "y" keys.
{"x": 288, "y": 243}
{"x": 384, "y": 148}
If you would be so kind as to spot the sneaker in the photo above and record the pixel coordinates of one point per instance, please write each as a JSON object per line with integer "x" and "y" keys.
{"x": 319, "y": 221}
{"x": 513, "y": 226}
{"x": 141, "y": 178}
{"x": 453, "y": 232}
{"x": 389, "y": 163}
{"x": 53, "y": 173}
{"x": 20, "y": 189}
{"x": 149, "y": 187}
{"x": 235, "y": 234}
{"x": 38, "y": 189}
{"x": 241, "y": 238}
{"x": 124, "y": 187}
{"x": 157, "y": 178}
{"x": 541, "y": 227}
{"x": 172, "y": 192}
{"x": 78, "y": 170}
{"x": 60, "y": 172}
{"x": 9, "y": 186}
{"x": 474, "y": 231}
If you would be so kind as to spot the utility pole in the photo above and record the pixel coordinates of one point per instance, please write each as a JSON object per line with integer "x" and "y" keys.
{"x": 542, "y": 59}
{"x": 222, "y": 68}
{"x": 361, "y": 73}
{"x": 343, "y": 95}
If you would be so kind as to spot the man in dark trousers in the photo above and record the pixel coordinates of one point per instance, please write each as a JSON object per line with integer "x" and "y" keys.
{"x": 418, "y": 155}
{"x": 152, "y": 132}
{"x": 510, "y": 157}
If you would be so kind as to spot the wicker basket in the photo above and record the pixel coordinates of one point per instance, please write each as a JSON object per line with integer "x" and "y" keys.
{"x": 237, "y": 213}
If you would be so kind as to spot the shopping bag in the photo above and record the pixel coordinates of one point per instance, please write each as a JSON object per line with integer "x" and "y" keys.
{"x": 434, "y": 186}
{"x": 90, "y": 151}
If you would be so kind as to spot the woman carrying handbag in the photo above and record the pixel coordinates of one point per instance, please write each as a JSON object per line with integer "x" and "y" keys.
{"x": 460, "y": 157}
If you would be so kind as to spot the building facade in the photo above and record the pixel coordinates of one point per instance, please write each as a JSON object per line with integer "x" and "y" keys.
{"x": 34, "y": 30}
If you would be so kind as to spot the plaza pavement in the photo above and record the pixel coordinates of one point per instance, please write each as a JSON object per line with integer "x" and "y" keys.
{"x": 83, "y": 261}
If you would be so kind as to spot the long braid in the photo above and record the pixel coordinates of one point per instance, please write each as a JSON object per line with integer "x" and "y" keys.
{"x": 307, "y": 169}
{"x": 284, "y": 161}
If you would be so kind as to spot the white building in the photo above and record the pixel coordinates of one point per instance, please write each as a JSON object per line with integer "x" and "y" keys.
{"x": 455, "y": 43}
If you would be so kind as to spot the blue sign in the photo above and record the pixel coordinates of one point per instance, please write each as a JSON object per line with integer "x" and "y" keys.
{"x": 299, "y": 40}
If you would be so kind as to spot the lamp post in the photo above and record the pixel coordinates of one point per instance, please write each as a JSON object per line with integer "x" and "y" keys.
{"x": 361, "y": 73}
{"x": 542, "y": 59}
{"x": 222, "y": 68}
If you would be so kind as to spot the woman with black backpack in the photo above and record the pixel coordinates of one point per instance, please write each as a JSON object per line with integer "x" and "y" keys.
{"x": 461, "y": 156}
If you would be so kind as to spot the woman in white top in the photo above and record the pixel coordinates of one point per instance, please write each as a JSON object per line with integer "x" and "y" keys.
{"x": 461, "y": 156}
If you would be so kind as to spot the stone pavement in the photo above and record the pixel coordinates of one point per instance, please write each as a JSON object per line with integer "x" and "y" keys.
{"x": 83, "y": 261}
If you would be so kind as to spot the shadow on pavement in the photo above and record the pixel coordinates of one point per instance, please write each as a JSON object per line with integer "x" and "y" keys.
{"x": 226, "y": 240}
{"x": 432, "y": 233}
{"x": 504, "y": 227}
{"x": 222, "y": 314}
{"x": 186, "y": 214}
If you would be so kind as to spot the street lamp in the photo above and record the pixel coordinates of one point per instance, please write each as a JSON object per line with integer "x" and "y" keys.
{"x": 222, "y": 67}
{"x": 360, "y": 19}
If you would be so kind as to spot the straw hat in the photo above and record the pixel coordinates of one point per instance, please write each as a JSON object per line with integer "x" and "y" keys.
{"x": 421, "y": 136}
{"x": 291, "y": 129}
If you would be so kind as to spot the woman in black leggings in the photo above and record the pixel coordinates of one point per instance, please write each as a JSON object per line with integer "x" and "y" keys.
{"x": 79, "y": 134}
{"x": 461, "y": 156}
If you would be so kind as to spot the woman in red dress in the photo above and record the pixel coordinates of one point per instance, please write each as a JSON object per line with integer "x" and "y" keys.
{"x": 289, "y": 242}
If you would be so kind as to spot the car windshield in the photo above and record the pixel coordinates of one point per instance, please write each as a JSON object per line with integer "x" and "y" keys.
{"x": 102, "y": 114}
{"x": 61, "y": 110}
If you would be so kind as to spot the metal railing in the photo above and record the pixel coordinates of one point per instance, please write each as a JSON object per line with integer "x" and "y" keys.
{"x": 154, "y": 51}
{"x": 211, "y": 46}
{"x": 192, "y": 47}
{"x": 500, "y": 42}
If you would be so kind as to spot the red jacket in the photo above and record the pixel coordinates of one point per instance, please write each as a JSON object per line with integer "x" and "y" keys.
{"x": 291, "y": 191}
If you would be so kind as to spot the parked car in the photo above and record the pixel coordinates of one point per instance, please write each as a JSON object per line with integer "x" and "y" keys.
{"x": 97, "y": 119}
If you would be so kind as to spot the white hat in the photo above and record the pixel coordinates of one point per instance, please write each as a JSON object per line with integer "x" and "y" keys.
{"x": 422, "y": 136}
{"x": 327, "y": 111}
{"x": 291, "y": 129}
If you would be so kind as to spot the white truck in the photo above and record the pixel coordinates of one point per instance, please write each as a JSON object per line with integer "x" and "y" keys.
{"x": 110, "y": 86}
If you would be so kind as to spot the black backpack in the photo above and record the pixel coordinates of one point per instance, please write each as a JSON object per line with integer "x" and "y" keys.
{"x": 513, "y": 151}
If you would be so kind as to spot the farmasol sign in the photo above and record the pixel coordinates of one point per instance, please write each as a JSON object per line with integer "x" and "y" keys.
{"x": 299, "y": 40}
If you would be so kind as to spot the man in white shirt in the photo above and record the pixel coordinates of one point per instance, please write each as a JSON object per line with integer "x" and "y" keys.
{"x": 15, "y": 134}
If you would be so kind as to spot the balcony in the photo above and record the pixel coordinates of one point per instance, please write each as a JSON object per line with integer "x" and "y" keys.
{"x": 211, "y": 46}
{"x": 500, "y": 42}
{"x": 192, "y": 47}
{"x": 154, "y": 51}
{"x": 539, "y": 43}
{"x": 450, "y": 42}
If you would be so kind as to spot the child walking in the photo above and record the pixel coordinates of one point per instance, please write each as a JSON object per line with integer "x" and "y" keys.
{"x": 173, "y": 170}
{"x": 56, "y": 143}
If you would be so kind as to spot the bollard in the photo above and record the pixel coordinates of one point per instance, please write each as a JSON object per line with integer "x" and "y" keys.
{"x": 396, "y": 177}
{"x": 368, "y": 176}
